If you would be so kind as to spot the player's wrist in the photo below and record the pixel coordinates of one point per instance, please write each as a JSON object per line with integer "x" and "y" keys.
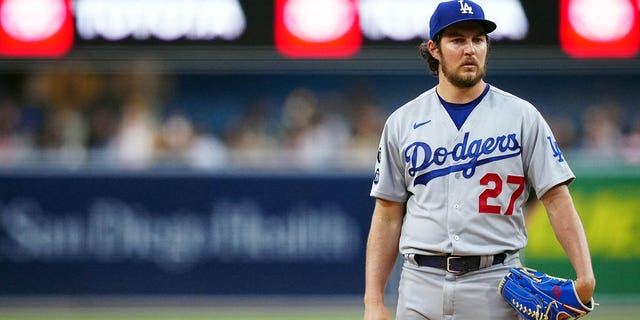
{"x": 585, "y": 287}
{"x": 373, "y": 299}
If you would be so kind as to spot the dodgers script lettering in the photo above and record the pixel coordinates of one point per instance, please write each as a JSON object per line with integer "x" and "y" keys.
{"x": 421, "y": 156}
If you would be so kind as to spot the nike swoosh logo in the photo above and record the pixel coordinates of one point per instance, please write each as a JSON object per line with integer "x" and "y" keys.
{"x": 417, "y": 125}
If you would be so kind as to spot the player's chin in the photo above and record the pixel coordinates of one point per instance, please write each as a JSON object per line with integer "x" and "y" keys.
{"x": 472, "y": 74}
{"x": 466, "y": 80}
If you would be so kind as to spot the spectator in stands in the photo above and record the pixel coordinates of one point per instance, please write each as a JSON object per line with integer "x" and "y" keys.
{"x": 250, "y": 137}
{"x": 632, "y": 142}
{"x": 602, "y": 128}
{"x": 368, "y": 122}
{"x": 181, "y": 144}
{"x": 312, "y": 135}
{"x": 15, "y": 145}
{"x": 134, "y": 144}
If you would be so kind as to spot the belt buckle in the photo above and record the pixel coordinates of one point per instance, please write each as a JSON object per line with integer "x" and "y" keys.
{"x": 449, "y": 264}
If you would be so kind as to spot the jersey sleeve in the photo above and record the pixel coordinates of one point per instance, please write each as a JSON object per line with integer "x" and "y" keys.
{"x": 544, "y": 162}
{"x": 389, "y": 182}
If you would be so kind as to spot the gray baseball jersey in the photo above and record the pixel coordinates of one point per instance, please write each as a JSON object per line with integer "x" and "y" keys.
{"x": 464, "y": 189}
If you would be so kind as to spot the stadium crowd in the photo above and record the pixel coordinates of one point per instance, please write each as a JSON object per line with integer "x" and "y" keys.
{"x": 71, "y": 117}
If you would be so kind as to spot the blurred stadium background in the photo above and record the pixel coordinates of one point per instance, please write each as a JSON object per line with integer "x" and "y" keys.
{"x": 211, "y": 159}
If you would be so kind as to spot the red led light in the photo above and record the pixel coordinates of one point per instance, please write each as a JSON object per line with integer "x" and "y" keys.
{"x": 317, "y": 29}
{"x": 35, "y": 28}
{"x": 599, "y": 29}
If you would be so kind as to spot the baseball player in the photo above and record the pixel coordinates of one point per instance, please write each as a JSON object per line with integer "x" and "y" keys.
{"x": 454, "y": 167}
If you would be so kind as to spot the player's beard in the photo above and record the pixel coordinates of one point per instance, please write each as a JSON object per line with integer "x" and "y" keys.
{"x": 462, "y": 79}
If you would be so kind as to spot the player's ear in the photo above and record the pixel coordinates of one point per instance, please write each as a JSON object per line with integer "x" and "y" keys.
{"x": 434, "y": 50}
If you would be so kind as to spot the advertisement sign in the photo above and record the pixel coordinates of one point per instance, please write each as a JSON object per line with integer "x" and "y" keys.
{"x": 181, "y": 234}
{"x": 296, "y": 29}
{"x": 142, "y": 20}
{"x": 260, "y": 234}
{"x": 307, "y": 29}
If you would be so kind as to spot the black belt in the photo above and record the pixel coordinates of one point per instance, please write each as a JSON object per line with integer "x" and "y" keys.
{"x": 456, "y": 264}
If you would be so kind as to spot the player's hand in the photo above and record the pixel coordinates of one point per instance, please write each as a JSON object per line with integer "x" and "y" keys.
{"x": 376, "y": 312}
{"x": 585, "y": 288}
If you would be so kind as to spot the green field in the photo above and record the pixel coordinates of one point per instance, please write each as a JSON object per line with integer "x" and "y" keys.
{"x": 629, "y": 311}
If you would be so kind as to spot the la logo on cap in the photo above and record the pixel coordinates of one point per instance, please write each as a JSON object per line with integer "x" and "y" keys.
{"x": 465, "y": 8}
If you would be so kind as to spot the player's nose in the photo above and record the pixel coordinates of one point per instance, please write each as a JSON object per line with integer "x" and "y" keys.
{"x": 469, "y": 48}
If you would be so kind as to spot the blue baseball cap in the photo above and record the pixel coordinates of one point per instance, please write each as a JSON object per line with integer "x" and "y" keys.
{"x": 451, "y": 12}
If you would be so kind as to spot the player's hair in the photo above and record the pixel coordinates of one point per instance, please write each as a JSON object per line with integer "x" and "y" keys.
{"x": 426, "y": 55}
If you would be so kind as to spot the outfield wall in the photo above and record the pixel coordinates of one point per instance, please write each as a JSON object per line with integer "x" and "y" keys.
{"x": 608, "y": 202}
{"x": 183, "y": 234}
{"x": 260, "y": 234}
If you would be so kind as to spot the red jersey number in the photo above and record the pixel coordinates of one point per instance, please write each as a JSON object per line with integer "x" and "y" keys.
{"x": 494, "y": 189}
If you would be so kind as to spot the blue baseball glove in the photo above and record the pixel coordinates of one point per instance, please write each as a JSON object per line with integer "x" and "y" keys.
{"x": 538, "y": 296}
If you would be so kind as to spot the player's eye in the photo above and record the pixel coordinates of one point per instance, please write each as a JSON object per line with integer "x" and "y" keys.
{"x": 478, "y": 40}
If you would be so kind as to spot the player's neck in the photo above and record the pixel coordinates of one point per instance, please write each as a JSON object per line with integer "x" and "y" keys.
{"x": 454, "y": 94}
